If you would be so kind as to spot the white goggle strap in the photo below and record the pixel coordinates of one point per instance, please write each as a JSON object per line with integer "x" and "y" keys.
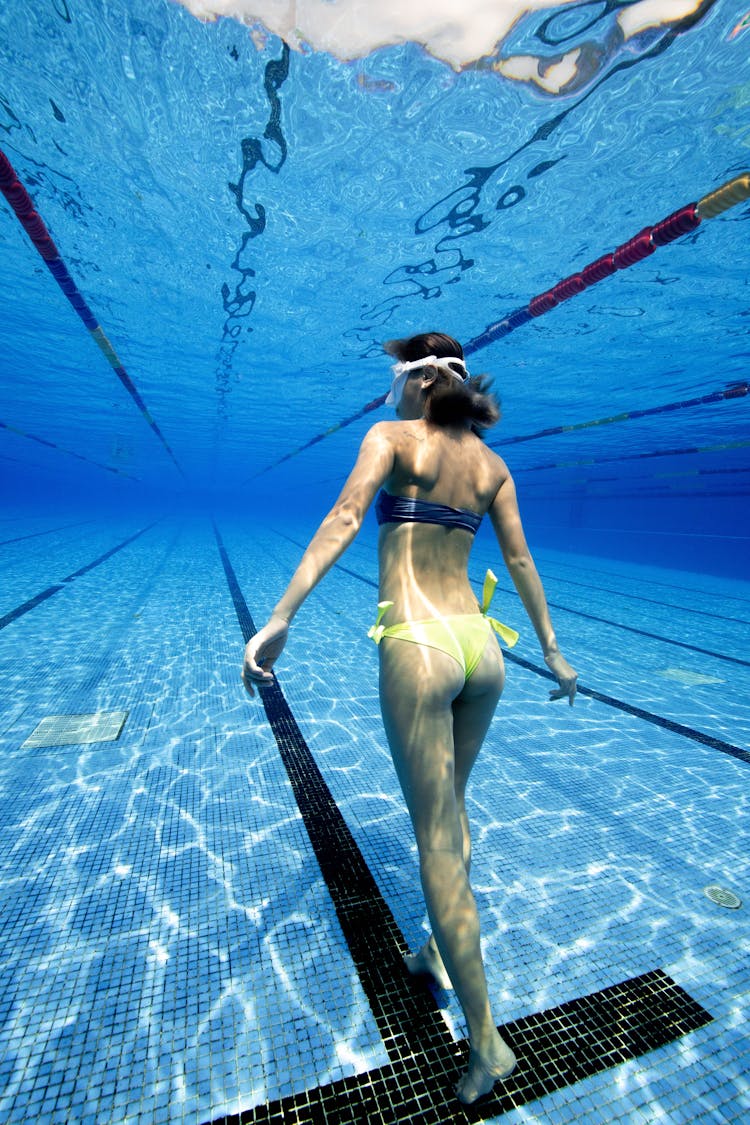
{"x": 397, "y": 387}
{"x": 401, "y": 374}
{"x": 432, "y": 361}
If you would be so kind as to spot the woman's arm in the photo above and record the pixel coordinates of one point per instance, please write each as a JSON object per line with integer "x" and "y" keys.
{"x": 373, "y": 466}
{"x": 506, "y": 520}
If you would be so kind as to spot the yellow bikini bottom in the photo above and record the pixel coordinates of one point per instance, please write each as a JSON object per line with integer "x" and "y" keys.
{"x": 462, "y": 636}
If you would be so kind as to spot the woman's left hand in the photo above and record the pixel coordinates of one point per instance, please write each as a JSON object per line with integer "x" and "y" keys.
{"x": 261, "y": 653}
{"x": 566, "y": 677}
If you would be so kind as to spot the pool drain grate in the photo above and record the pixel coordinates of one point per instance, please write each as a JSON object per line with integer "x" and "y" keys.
{"x": 722, "y": 897}
{"x": 76, "y": 730}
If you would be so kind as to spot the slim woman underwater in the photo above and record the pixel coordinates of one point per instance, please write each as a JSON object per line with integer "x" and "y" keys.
{"x": 441, "y": 669}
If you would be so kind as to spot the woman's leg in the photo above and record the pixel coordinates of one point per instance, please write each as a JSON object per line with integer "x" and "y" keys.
{"x": 418, "y": 687}
{"x": 473, "y": 711}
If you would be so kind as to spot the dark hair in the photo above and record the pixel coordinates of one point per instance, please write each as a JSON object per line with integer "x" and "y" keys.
{"x": 449, "y": 402}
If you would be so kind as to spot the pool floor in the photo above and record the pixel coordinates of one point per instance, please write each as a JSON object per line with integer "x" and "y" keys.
{"x": 206, "y": 898}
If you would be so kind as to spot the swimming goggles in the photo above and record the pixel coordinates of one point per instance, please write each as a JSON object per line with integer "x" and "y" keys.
{"x": 401, "y": 374}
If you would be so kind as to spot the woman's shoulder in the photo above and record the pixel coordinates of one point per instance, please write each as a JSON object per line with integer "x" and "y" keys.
{"x": 385, "y": 441}
{"x": 494, "y": 472}
{"x": 494, "y": 459}
{"x": 395, "y": 432}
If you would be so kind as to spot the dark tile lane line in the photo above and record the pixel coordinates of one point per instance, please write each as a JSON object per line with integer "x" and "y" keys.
{"x": 628, "y": 578}
{"x": 37, "y": 534}
{"x": 32, "y": 603}
{"x": 644, "y": 633}
{"x": 648, "y": 716}
{"x": 556, "y": 1048}
{"x": 587, "y": 616}
{"x": 649, "y": 601}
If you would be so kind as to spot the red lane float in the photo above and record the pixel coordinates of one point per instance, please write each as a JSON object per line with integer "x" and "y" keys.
{"x": 641, "y": 246}
{"x": 680, "y": 222}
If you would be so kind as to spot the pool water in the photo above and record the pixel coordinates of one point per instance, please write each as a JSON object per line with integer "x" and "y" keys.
{"x": 210, "y": 221}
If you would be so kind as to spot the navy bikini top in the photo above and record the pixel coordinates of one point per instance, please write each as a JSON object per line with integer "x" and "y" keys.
{"x": 405, "y": 509}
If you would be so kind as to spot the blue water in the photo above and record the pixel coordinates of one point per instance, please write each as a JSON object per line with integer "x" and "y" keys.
{"x": 247, "y": 224}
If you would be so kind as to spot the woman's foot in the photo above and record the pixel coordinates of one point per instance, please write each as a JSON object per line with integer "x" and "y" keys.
{"x": 483, "y": 1073}
{"x": 428, "y": 962}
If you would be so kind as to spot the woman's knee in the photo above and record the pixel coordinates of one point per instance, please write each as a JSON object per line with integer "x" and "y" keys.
{"x": 439, "y": 833}
{"x": 443, "y": 875}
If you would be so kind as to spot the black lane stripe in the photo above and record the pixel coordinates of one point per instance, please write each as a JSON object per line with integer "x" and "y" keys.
{"x": 651, "y": 582}
{"x": 37, "y": 534}
{"x": 639, "y": 712}
{"x": 640, "y": 632}
{"x": 555, "y": 1048}
{"x": 32, "y": 603}
{"x": 580, "y": 613}
{"x": 609, "y": 700}
{"x": 648, "y": 601}
{"x": 108, "y": 554}
{"x": 406, "y": 1018}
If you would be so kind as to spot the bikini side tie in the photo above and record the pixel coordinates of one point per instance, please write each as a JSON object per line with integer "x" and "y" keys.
{"x": 375, "y": 632}
{"x": 510, "y": 636}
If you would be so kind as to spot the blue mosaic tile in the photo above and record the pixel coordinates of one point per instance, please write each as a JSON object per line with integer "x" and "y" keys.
{"x": 178, "y": 955}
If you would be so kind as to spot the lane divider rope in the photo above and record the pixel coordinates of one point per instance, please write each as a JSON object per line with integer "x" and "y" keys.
{"x": 733, "y": 390}
{"x": 32, "y": 222}
{"x": 67, "y": 452}
{"x": 641, "y": 246}
{"x": 586, "y": 462}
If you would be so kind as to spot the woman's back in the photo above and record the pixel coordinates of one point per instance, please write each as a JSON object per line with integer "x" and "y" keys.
{"x": 440, "y": 680}
{"x": 423, "y": 565}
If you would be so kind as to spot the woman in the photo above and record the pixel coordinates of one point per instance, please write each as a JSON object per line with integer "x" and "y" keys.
{"x": 441, "y": 670}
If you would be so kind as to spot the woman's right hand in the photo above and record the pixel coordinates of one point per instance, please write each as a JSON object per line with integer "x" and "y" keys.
{"x": 566, "y": 677}
{"x": 262, "y": 651}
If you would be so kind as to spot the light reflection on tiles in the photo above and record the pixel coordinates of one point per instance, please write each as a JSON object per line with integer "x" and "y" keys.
{"x": 171, "y": 951}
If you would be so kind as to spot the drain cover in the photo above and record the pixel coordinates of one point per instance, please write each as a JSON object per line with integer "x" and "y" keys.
{"x": 722, "y": 897}
{"x": 72, "y": 730}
